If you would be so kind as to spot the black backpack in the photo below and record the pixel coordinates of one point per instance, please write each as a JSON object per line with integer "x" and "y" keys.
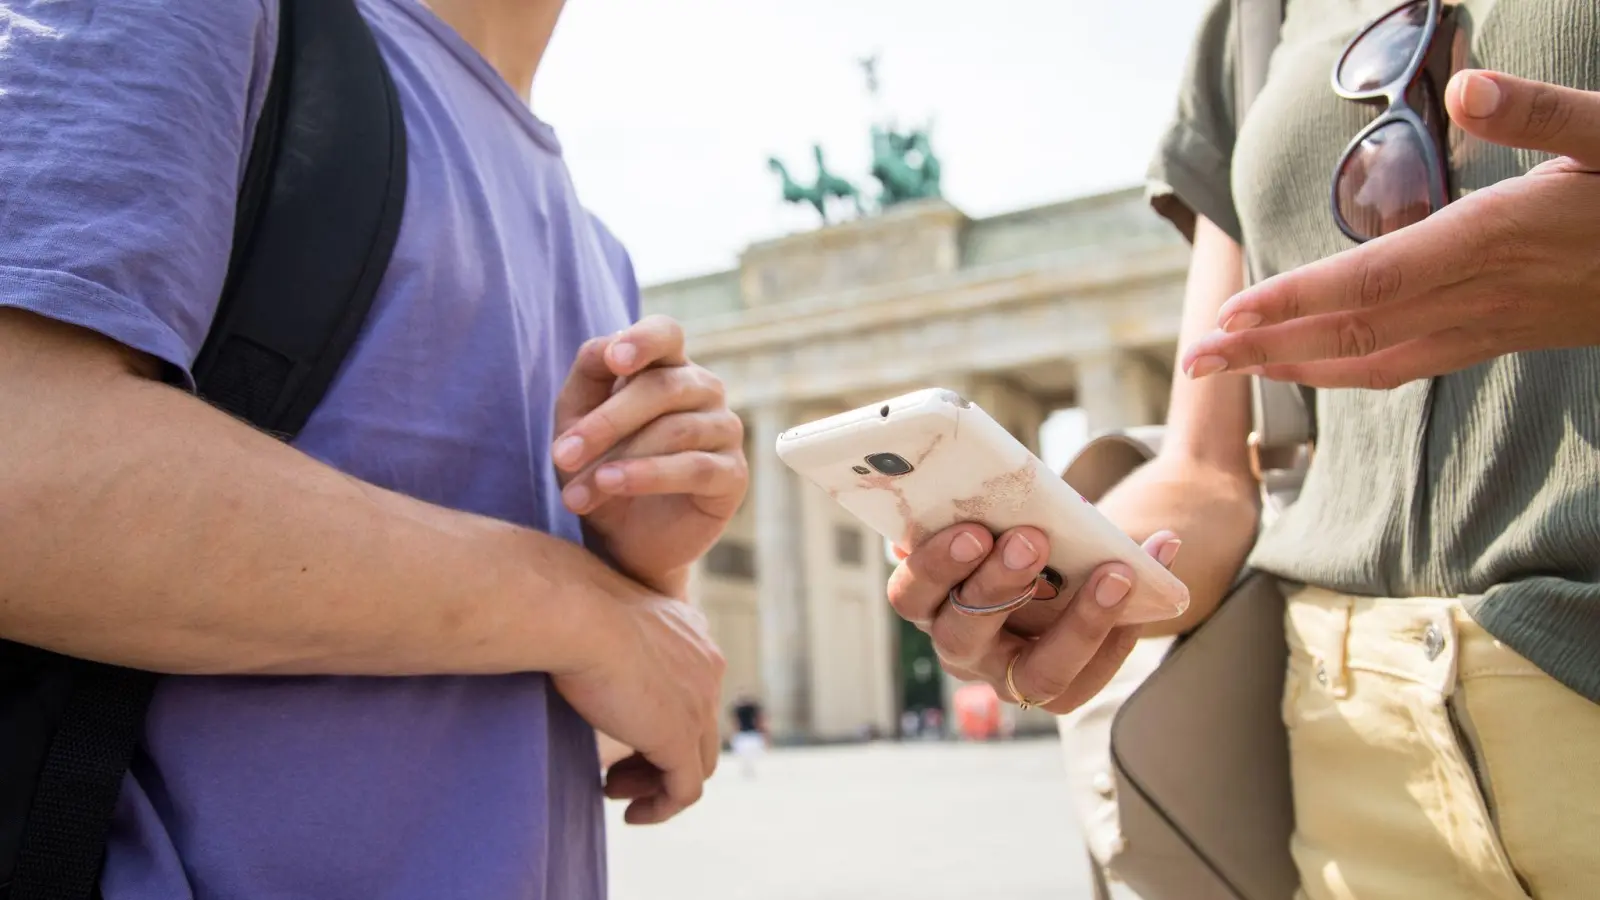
{"x": 318, "y": 214}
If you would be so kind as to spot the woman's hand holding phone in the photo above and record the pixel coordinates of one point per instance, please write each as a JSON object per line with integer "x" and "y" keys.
{"x": 1066, "y": 663}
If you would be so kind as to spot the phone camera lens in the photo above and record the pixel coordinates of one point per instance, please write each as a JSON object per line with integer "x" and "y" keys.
{"x": 889, "y": 464}
{"x": 861, "y": 470}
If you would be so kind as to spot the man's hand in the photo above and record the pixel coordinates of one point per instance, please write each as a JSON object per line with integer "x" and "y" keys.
{"x": 649, "y": 453}
{"x": 1510, "y": 268}
{"x": 655, "y": 685}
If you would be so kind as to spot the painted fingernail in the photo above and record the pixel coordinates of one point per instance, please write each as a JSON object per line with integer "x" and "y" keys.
{"x": 569, "y": 450}
{"x": 1020, "y": 553}
{"x": 965, "y": 548}
{"x": 1480, "y": 96}
{"x": 609, "y": 477}
{"x": 577, "y": 497}
{"x": 1206, "y": 365}
{"x": 1241, "y": 321}
{"x": 1169, "y": 552}
{"x": 624, "y": 354}
{"x": 1112, "y": 589}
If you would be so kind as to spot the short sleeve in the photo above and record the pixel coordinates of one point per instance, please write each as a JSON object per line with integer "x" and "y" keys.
{"x": 126, "y": 124}
{"x": 1190, "y": 174}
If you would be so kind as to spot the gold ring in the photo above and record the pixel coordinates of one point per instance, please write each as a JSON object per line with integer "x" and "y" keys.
{"x": 1011, "y": 685}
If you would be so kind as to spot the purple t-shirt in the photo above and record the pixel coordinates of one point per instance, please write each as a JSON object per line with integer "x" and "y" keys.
{"x": 125, "y": 125}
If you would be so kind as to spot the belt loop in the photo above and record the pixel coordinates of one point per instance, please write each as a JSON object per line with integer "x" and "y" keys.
{"x": 1339, "y": 671}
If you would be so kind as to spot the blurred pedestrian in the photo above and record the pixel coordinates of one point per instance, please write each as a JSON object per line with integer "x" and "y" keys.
{"x": 749, "y": 740}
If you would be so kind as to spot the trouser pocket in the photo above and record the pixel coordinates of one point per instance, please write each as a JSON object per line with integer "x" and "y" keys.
{"x": 1387, "y": 804}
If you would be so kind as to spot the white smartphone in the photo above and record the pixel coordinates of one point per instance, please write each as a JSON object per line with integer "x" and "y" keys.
{"x": 913, "y": 466}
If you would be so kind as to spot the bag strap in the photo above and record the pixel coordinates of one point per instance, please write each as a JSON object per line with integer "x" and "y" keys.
{"x": 1284, "y": 414}
{"x": 318, "y": 214}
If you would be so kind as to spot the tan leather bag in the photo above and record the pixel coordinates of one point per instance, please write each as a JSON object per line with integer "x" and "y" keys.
{"x": 1199, "y": 750}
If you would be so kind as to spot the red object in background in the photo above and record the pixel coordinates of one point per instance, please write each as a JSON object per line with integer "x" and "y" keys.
{"x": 977, "y": 709}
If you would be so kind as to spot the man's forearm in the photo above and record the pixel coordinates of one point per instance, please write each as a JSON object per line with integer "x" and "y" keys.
{"x": 141, "y": 527}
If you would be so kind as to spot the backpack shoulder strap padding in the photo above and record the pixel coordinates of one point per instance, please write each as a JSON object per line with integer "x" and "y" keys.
{"x": 319, "y": 214}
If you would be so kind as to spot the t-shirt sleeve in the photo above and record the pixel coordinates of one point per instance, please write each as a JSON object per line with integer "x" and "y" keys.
{"x": 1190, "y": 174}
{"x": 125, "y": 126}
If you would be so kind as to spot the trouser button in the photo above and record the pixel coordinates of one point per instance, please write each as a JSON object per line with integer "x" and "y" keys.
{"x": 1433, "y": 641}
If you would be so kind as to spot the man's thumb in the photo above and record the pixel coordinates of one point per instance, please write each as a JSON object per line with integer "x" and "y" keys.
{"x": 1531, "y": 115}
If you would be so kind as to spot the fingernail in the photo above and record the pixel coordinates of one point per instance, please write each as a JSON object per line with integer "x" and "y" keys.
{"x": 1020, "y": 553}
{"x": 1242, "y": 321}
{"x": 624, "y": 354}
{"x": 609, "y": 477}
{"x": 965, "y": 548}
{"x": 577, "y": 497}
{"x": 1480, "y": 96}
{"x": 1169, "y": 552}
{"x": 1112, "y": 589}
{"x": 568, "y": 450}
{"x": 1206, "y": 365}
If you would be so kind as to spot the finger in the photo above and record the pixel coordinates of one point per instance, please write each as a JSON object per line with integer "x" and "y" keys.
{"x": 1008, "y": 572}
{"x": 1098, "y": 671}
{"x": 1163, "y": 546}
{"x": 711, "y": 738}
{"x": 922, "y": 580}
{"x": 1531, "y": 115}
{"x": 645, "y": 398}
{"x": 652, "y": 341}
{"x": 1344, "y": 335}
{"x": 1047, "y": 667}
{"x": 712, "y": 431}
{"x": 633, "y": 778}
{"x": 1396, "y": 268}
{"x": 708, "y": 477}
{"x": 683, "y": 783}
{"x": 589, "y": 382}
{"x": 1447, "y": 351}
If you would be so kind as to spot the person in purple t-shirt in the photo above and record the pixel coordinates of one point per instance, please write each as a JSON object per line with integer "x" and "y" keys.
{"x": 391, "y": 644}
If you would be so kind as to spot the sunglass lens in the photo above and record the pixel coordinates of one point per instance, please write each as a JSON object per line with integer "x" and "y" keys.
{"x": 1384, "y": 183}
{"x": 1380, "y": 56}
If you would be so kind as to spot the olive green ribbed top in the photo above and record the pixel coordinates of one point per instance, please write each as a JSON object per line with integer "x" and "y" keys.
{"x": 1483, "y": 484}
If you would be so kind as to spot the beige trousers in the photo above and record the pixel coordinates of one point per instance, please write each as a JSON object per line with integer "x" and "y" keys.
{"x": 1431, "y": 761}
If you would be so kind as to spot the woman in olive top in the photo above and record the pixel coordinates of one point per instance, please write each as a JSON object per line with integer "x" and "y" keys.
{"x": 1443, "y": 698}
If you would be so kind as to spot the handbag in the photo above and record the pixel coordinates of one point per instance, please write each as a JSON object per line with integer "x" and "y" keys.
{"x": 1199, "y": 751}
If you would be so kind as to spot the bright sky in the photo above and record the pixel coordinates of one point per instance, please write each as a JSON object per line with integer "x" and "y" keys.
{"x": 669, "y": 109}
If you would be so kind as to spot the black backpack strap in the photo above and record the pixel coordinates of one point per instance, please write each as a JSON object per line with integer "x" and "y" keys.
{"x": 318, "y": 218}
{"x": 318, "y": 214}
{"x": 77, "y": 789}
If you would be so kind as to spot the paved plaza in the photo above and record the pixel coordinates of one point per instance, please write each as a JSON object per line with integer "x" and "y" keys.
{"x": 918, "y": 821}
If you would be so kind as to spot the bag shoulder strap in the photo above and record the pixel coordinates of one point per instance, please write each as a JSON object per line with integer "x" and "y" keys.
{"x": 1284, "y": 414}
{"x": 318, "y": 214}
{"x": 318, "y": 218}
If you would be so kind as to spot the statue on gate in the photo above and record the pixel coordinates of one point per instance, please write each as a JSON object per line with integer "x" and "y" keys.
{"x": 827, "y": 185}
{"x": 903, "y": 164}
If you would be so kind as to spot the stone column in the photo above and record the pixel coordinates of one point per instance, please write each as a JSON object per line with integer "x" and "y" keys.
{"x": 780, "y": 577}
{"x": 1117, "y": 389}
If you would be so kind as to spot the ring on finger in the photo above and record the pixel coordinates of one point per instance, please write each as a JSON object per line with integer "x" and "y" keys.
{"x": 1011, "y": 685}
{"x": 955, "y": 601}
